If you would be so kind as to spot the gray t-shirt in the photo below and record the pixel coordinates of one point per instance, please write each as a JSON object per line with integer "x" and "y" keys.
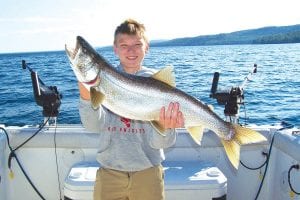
{"x": 125, "y": 144}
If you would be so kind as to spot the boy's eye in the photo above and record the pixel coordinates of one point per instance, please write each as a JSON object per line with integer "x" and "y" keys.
{"x": 133, "y": 46}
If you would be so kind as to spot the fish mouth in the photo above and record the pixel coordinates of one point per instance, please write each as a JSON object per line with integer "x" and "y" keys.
{"x": 81, "y": 56}
{"x": 72, "y": 51}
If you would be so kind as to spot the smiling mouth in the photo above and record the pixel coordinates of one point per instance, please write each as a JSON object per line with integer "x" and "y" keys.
{"x": 132, "y": 57}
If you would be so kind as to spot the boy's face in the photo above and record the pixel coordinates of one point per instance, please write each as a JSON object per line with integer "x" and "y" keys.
{"x": 131, "y": 50}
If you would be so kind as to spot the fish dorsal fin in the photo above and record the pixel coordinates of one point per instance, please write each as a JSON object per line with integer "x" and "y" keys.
{"x": 96, "y": 97}
{"x": 166, "y": 75}
{"x": 211, "y": 107}
{"x": 196, "y": 133}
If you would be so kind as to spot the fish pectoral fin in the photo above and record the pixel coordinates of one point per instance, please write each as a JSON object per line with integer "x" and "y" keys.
{"x": 196, "y": 133}
{"x": 247, "y": 136}
{"x": 166, "y": 75}
{"x": 96, "y": 97}
{"x": 232, "y": 149}
{"x": 158, "y": 127}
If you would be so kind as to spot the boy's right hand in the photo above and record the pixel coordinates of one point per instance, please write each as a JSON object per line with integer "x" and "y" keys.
{"x": 171, "y": 117}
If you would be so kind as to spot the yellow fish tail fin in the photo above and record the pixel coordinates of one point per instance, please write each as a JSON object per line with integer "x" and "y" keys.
{"x": 241, "y": 136}
{"x": 232, "y": 149}
{"x": 247, "y": 136}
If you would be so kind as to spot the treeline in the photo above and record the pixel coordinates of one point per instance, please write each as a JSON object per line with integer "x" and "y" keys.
{"x": 265, "y": 35}
{"x": 292, "y": 37}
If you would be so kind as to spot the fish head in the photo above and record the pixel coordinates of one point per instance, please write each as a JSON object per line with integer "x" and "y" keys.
{"x": 83, "y": 60}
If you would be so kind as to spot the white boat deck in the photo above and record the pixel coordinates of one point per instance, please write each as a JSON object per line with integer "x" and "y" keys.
{"x": 192, "y": 171}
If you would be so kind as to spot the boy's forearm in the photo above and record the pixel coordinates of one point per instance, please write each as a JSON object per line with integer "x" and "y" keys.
{"x": 159, "y": 141}
{"x": 84, "y": 92}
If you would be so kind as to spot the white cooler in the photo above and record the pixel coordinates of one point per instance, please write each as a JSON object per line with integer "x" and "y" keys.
{"x": 191, "y": 180}
{"x": 194, "y": 180}
{"x": 79, "y": 184}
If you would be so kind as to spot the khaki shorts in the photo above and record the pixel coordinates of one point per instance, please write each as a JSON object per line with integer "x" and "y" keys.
{"x": 147, "y": 184}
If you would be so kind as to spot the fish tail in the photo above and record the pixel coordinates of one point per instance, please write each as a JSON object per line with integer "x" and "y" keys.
{"x": 232, "y": 149}
{"x": 241, "y": 136}
{"x": 246, "y": 135}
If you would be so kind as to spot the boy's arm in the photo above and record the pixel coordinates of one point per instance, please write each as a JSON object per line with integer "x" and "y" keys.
{"x": 91, "y": 119}
{"x": 84, "y": 92}
{"x": 170, "y": 119}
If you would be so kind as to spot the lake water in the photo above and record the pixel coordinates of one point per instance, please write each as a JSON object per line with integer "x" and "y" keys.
{"x": 272, "y": 96}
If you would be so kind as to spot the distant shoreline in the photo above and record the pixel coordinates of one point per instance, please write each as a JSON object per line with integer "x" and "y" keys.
{"x": 264, "y": 35}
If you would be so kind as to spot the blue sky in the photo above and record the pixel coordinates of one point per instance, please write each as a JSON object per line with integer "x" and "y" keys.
{"x": 41, "y": 25}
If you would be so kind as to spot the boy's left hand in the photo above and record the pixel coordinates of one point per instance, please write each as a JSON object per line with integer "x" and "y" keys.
{"x": 172, "y": 117}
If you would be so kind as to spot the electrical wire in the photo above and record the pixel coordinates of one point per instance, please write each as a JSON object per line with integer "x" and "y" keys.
{"x": 13, "y": 154}
{"x": 41, "y": 127}
{"x": 56, "y": 161}
{"x": 245, "y": 111}
{"x": 265, "y": 154}
{"x": 289, "y": 178}
{"x": 266, "y": 168}
{"x": 256, "y": 168}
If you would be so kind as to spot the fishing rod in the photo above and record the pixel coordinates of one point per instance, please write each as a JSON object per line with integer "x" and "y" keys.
{"x": 233, "y": 98}
{"x": 47, "y": 97}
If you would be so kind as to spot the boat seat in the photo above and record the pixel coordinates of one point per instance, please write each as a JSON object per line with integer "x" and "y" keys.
{"x": 183, "y": 180}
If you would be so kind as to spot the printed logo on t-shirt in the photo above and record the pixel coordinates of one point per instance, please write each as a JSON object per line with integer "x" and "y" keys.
{"x": 126, "y": 121}
{"x": 126, "y": 128}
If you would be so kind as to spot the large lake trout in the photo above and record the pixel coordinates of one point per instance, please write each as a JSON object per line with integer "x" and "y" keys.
{"x": 141, "y": 98}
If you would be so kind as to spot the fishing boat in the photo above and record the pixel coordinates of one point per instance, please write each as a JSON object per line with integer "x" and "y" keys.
{"x": 57, "y": 161}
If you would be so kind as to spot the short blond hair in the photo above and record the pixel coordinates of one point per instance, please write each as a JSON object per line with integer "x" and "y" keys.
{"x": 131, "y": 27}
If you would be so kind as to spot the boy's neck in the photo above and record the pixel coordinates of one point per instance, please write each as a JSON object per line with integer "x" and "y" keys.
{"x": 132, "y": 70}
